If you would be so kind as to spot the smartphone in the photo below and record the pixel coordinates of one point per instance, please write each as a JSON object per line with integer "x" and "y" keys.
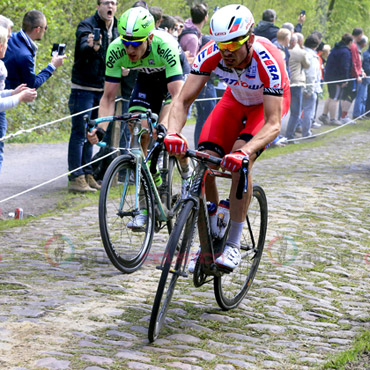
{"x": 96, "y": 34}
{"x": 61, "y": 49}
{"x": 54, "y": 50}
{"x": 303, "y": 12}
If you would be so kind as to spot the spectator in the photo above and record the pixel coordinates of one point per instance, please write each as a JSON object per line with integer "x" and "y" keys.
{"x": 205, "y": 107}
{"x": 366, "y": 68}
{"x": 297, "y": 63}
{"x": 141, "y": 3}
{"x": 266, "y": 27}
{"x": 338, "y": 67}
{"x": 20, "y": 57}
{"x": 157, "y": 13}
{"x": 190, "y": 39}
{"x": 313, "y": 87}
{"x": 88, "y": 76}
{"x": 179, "y": 24}
{"x": 282, "y": 42}
{"x": 9, "y": 98}
{"x": 349, "y": 92}
{"x": 361, "y": 96}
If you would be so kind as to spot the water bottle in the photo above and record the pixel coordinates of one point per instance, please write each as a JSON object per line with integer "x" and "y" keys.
{"x": 212, "y": 214}
{"x": 223, "y": 217}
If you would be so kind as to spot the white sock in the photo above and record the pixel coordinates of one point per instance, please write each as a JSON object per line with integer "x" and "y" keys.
{"x": 235, "y": 233}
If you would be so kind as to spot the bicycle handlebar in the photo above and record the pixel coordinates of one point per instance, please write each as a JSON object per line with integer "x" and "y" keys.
{"x": 205, "y": 157}
{"x": 149, "y": 115}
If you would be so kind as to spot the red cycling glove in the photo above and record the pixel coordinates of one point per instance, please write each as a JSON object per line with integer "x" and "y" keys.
{"x": 233, "y": 162}
{"x": 175, "y": 144}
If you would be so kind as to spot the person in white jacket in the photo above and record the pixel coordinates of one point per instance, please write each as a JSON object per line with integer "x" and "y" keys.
{"x": 313, "y": 87}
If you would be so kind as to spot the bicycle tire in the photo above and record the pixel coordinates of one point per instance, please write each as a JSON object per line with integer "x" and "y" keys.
{"x": 173, "y": 191}
{"x": 182, "y": 234}
{"x": 230, "y": 289}
{"x": 126, "y": 248}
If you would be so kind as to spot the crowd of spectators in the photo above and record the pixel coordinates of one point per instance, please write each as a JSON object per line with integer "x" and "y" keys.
{"x": 309, "y": 63}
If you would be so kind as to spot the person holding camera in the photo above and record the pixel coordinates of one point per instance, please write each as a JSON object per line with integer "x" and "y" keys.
{"x": 20, "y": 56}
{"x": 93, "y": 35}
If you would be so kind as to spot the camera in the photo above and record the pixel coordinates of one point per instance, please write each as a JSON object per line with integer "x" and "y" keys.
{"x": 58, "y": 49}
{"x": 96, "y": 34}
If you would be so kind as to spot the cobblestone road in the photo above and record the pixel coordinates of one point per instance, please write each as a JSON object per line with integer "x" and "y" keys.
{"x": 70, "y": 309}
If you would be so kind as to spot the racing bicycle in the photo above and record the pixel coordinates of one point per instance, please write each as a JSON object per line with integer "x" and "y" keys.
{"x": 229, "y": 288}
{"x": 129, "y": 188}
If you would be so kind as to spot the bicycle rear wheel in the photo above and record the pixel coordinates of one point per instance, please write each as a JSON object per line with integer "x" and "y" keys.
{"x": 127, "y": 248}
{"x": 230, "y": 289}
{"x": 178, "y": 246}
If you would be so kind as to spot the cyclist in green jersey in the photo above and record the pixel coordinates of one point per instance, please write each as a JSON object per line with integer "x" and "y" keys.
{"x": 155, "y": 55}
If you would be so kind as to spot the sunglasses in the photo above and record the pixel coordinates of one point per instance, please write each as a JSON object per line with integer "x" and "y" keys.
{"x": 132, "y": 43}
{"x": 232, "y": 45}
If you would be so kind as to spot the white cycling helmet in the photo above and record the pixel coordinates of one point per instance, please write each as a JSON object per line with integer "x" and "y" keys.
{"x": 230, "y": 22}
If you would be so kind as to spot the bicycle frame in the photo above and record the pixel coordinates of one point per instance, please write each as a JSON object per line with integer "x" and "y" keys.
{"x": 198, "y": 196}
{"x": 140, "y": 160}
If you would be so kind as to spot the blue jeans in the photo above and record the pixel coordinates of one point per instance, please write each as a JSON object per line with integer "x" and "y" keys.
{"x": 79, "y": 149}
{"x": 308, "y": 106}
{"x": 359, "y": 107}
{"x": 204, "y": 108}
{"x": 296, "y": 95}
{"x": 3, "y": 127}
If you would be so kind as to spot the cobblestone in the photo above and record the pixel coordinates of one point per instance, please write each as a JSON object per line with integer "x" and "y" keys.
{"x": 309, "y": 300}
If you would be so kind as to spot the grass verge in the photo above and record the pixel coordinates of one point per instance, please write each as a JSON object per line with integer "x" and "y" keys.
{"x": 361, "y": 345}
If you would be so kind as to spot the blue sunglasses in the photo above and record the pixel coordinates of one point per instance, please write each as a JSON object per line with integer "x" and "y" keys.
{"x": 135, "y": 44}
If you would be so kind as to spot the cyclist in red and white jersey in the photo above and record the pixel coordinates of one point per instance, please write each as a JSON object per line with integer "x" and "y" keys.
{"x": 248, "y": 116}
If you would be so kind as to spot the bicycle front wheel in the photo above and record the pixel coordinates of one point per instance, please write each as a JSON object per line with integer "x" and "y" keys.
{"x": 230, "y": 289}
{"x": 173, "y": 191}
{"x": 174, "y": 262}
{"x": 127, "y": 247}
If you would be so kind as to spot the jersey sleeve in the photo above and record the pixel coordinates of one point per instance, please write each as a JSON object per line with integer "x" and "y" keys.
{"x": 113, "y": 60}
{"x": 271, "y": 68}
{"x": 169, "y": 53}
{"x": 206, "y": 60}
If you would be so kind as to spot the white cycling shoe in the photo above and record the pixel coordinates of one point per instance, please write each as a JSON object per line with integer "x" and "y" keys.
{"x": 193, "y": 261}
{"x": 230, "y": 258}
{"x": 139, "y": 221}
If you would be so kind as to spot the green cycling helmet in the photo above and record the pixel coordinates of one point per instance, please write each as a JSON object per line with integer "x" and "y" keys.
{"x": 136, "y": 24}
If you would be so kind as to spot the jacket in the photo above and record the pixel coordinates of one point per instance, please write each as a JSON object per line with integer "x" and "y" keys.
{"x": 266, "y": 29}
{"x": 20, "y": 62}
{"x": 297, "y": 63}
{"x": 89, "y": 65}
{"x": 339, "y": 63}
{"x": 190, "y": 41}
{"x": 313, "y": 73}
{"x": 366, "y": 62}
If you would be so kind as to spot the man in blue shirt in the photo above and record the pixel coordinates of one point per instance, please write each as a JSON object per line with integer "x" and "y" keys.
{"x": 20, "y": 56}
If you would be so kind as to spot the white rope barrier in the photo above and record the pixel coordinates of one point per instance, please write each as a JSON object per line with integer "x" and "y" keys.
{"x": 58, "y": 177}
{"x": 27, "y": 131}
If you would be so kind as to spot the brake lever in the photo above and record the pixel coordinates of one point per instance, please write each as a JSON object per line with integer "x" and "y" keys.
{"x": 90, "y": 125}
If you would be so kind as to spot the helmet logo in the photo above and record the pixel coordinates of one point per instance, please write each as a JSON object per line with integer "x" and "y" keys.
{"x": 236, "y": 25}
{"x": 220, "y": 33}
{"x": 146, "y": 24}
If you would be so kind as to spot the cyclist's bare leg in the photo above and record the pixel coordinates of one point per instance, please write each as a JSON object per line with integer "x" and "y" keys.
{"x": 211, "y": 187}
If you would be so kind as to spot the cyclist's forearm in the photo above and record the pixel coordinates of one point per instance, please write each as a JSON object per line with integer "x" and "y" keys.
{"x": 106, "y": 108}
